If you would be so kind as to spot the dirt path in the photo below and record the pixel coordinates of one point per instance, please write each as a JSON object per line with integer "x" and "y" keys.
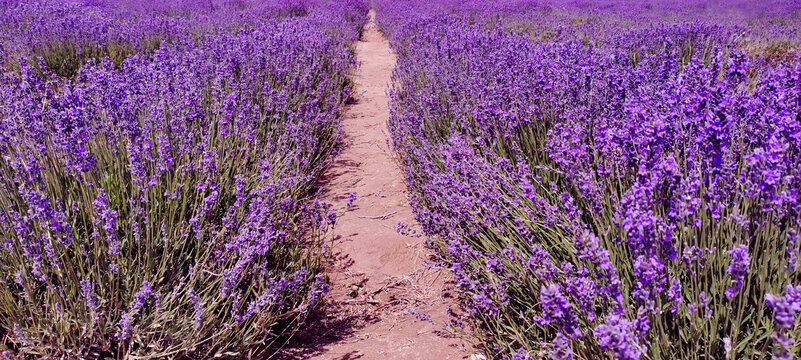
{"x": 379, "y": 278}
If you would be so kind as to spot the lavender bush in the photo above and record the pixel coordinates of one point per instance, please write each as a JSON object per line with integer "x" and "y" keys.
{"x": 158, "y": 206}
{"x": 614, "y": 181}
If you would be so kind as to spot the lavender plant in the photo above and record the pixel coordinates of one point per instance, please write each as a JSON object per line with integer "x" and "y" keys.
{"x": 159, "y": 207}
{"x": 627, "y": 192}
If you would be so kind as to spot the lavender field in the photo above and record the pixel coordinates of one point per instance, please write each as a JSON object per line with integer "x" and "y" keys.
{"x": 611, "y": 179}
{"x": 156, "y": 165}
{"x": 608, "y": 179}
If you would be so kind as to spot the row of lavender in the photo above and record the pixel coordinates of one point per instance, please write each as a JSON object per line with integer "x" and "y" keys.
{"x": 158, "y": 206}
{"x": 627, "y": 192}
{"x": 65, "y": 34}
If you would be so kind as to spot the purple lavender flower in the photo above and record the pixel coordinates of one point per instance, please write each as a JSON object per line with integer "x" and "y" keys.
{"x": 331, "y": 216}
{"x": 674, "y": 294}
{"x": 557, "y": 308}
{"x": 108, "y": 217}
{"x": 87, "y": 288}
{"x": 319, "y": 289}
{"x": 620, "y": 336}
{"x": 704, "y": 300}
{"x": 141, "y": 296}
{"x": 650, "y": 280}
{"x": 782, "y": 346}
{"x": 351, "y": 199}
{"x": 693, "y": 256}
{"x": 20, "y": 335}
{"x": 561, "y": 348}
{"x": 738, "y": 268}
{"x": 785, "y": 308}
{"x": 125, "y": 326}
{"x": 584, "y": 290}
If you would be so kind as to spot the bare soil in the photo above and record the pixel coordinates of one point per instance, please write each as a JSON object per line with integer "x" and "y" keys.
{"x": 380, "y": 280}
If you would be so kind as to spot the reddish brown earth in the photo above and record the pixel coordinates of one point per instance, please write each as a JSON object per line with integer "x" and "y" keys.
{"x": 377, "y": 275}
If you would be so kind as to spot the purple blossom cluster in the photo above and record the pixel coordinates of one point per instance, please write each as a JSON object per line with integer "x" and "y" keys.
{"x": 157, "y": 204}
{"x": 786, "y": 312}
{"x": 608, "y": 178}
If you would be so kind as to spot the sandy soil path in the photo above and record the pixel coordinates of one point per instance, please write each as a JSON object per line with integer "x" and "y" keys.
{"x": 378, "y": 275}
